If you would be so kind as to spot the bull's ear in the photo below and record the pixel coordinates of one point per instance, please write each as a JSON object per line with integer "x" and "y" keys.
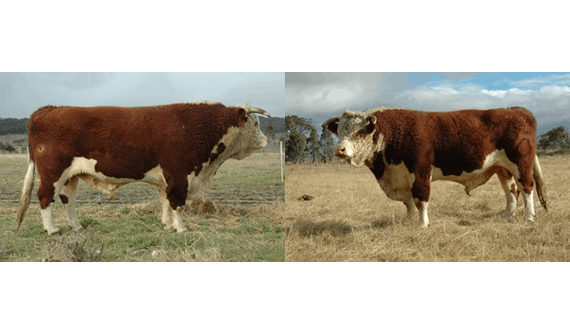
{"x": 370, "y": 124}
{"x": 332, "y": 125}
{"x": 241, "y": 116}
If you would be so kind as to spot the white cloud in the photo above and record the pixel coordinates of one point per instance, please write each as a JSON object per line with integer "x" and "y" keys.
{"x": 495, "y": 93}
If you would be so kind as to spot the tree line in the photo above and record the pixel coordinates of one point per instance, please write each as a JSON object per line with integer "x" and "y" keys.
{"x": 13, "y": 126}
{"x": 304, "y": 144}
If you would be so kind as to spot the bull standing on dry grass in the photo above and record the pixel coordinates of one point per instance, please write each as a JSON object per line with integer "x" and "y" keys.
{"x": 407, "y": 149}
{"x": 177, "y": 148}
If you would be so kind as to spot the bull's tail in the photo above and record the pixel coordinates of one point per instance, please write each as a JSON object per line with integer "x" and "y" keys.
{"x": 539, "y": 181}
{"x": 26, "y": 192}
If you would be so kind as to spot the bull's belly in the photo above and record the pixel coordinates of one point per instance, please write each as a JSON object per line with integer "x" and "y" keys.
{"x": 85, "y": 169}
{"x": 397, "y": 181}
{"x": 494, "y": 162}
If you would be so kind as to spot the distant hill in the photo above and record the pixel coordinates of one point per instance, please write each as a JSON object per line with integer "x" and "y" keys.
{"x": 18, "y": 126}
{"x": 13, "y": 126}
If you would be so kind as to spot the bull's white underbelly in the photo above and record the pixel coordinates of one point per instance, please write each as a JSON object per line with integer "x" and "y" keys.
{"x": 397, "y": 181}
{"x": 471, "y": 180}
{"x": 85, "y": 169}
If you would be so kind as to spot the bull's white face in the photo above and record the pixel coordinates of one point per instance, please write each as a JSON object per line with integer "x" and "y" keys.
{"x": 355, "y": 131}
{"x": 246, "y": 139}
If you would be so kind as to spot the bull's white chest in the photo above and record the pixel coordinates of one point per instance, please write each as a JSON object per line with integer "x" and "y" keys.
{"x": 397, "y": 182}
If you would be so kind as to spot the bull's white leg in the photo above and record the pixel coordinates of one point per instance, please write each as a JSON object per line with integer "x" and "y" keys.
{"x": 69, "y": 190}
{"x": 422, "y": 208}
{"x": 529, "y": 205}
{"x": 166, "y": 210}
{"x": 412, "y": 209}
{"x": 47, "y": 218}
{"x": 177, "y": 219}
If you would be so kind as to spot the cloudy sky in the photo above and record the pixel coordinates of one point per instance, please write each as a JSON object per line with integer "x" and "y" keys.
{"x": 23, "y": 93}
{"x": 323, "y": 95}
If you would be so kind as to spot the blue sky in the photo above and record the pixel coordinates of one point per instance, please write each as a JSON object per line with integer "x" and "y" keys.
{"x": 323, "y": 95}
{"x": 23, "y": 93}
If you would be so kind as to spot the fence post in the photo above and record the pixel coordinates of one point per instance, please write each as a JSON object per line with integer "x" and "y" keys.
{"x": 281, "y": 158}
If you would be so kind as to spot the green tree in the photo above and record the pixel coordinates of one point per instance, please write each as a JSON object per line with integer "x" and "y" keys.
{"x": 327, "y": 146}
{"x": 270, "y": 130}
{"x": 296, "y": 131}
{"x": 313, "y": 146}
{"x": 556, "y": 138}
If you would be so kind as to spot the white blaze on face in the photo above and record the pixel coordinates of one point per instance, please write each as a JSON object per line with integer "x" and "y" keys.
{"x": 355, "y": 146}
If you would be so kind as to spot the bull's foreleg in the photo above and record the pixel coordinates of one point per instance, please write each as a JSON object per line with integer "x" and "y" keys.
{"x": 67, "y": 196}
{"x": 176, "y": 193}
{"x": 177, "y": 219}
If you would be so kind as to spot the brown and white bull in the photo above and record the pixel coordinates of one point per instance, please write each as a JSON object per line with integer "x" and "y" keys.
{"x": 407, "y": 150}
{"x": 177, "y": 148}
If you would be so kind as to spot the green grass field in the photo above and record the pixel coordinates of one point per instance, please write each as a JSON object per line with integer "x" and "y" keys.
{"x": 240, "y": 218}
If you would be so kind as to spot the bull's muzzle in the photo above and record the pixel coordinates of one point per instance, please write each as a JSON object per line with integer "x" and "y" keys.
{"x": 340, "y": 152}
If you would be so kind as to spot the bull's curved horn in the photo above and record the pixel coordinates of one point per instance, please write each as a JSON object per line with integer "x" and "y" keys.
{"x": 251, "y": 109}
{"x": 259, "y": 111}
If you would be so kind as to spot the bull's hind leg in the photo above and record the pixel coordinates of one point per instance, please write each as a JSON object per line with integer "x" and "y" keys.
{"x": 510, "y": 188}
{"x": 529, "y": 205}
{"x": 46, "y": 192}
{"x": 67, "y": 196}
{"x": 526, "y": 185}
{"x": 412, "y": 209}
{"x": 523, "y": 157}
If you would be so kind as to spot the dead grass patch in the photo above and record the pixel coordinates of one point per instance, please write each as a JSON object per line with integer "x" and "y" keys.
{"x": 351, "y": 219}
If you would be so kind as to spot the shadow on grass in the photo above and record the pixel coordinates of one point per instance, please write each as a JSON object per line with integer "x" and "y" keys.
{"x": 307, "y": 228}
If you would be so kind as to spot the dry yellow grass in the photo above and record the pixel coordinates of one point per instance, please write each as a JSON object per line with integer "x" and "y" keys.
{"x": 351, "y": 219}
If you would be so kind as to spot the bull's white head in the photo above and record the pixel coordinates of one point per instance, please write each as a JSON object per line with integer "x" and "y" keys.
{"x": 246, "y": 138}
{"x": 358, "y": 136}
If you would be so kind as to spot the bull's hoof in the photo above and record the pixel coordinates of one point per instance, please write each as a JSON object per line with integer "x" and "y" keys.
{"x": 79, "y": 229}
{"x": 181, "y": 230}
{"x": 507, "y": 214}
{"x": 54, "y": 233}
